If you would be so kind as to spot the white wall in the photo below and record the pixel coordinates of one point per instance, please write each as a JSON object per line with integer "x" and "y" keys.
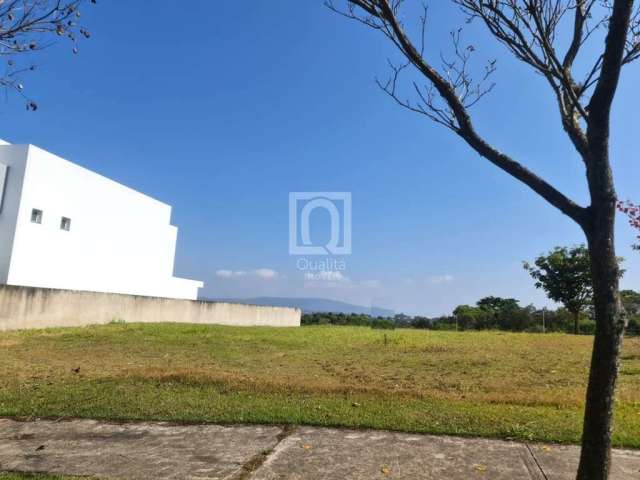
{"x": 120, "y": 241}
{"x": 14, "y": 157}
{"x": 23, "y": 307}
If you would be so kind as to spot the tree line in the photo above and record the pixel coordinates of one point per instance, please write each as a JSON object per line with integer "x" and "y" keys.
{"x": 564, "y": 273}
{"x": 489, "y": 313}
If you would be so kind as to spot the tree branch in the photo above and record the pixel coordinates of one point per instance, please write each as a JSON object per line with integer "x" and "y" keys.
{"x": 582, "y": 10}
{"x": 527, "y": 29}
{"x": 386, "y": 13}
{"x": 24, "y": 24}
{"x": 612, "y": 61}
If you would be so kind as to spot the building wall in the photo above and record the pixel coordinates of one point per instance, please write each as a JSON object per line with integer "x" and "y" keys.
{"x": 14, "y": 157}
{"x": 120, "y": 240}
{"x": 26, "y": 308}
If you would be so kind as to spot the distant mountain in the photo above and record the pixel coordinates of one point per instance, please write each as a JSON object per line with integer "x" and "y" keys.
{"x": 310, "y": 305}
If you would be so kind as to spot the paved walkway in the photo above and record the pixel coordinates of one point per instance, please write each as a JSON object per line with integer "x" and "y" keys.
{"x": 165, "y": 451}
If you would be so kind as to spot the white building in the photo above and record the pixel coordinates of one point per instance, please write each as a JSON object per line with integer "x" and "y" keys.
{"x": 65, "y": 227}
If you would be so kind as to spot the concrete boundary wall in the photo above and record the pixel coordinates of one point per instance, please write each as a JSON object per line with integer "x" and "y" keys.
{"x": 26, "y": 307}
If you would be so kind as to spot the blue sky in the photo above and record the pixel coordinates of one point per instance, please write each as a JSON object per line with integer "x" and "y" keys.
{"x": 223, "y": 110}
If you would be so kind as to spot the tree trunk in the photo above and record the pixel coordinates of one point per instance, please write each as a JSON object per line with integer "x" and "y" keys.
{"x": 576, "y": 323}
{"x": 595, "y": 456}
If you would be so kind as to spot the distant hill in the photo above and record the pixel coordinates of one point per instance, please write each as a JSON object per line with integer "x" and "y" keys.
{"x": 310, "y": 305}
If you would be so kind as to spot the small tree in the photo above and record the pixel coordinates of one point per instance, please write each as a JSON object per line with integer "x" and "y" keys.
{"x": 497, "y": 304}
{"x": 565, "y": 274}
{"x": 27, "y": 26}
{"x": 631, "y": 301}
{"x": 501, "y": 311}
{"x": 466, "y": 317}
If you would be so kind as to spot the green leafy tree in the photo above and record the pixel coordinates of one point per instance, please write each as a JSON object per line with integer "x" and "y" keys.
{"x": 631, "y": 301}
{"x": 467, "y": 317}
{"x": 516, "y": 319}
{"x": 565, "y": 274}
{"x": 505, "y": 313}
{"x": 498, "y": 312}
{"x": 497, "y": 303}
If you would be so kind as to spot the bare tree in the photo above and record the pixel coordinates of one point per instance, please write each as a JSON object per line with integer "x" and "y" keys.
{"x": 530, "y": 30}
{"x": 27, "y": 26}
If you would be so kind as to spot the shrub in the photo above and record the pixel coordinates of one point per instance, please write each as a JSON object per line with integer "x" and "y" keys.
{"x": 534, "y": 328}
{"x": 383, "y": 324}
{"x": 331, "y": 318}
{"x": 587, "y": 327}
{"x": 634, "y": 325}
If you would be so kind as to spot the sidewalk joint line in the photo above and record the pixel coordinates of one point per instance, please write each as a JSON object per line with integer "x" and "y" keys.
{"x": 535, "y": 459}
{"x": 258, "y": 460}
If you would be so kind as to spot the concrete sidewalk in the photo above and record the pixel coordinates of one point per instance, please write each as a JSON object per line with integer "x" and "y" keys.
{"x": 164, "y": 451}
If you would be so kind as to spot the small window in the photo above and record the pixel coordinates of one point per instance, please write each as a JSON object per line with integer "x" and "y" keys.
{"x": 65, "y": 224}
{"x": 36, "y": 216}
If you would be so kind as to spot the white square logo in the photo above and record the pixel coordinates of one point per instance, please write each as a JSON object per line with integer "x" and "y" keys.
{"x": 302, "y": 205}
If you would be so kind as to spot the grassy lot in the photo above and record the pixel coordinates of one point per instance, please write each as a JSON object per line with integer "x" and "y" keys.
{"x": 521, "y": 386}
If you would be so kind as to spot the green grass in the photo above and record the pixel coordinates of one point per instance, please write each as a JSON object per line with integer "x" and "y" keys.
{"x": 492, "y": 384}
